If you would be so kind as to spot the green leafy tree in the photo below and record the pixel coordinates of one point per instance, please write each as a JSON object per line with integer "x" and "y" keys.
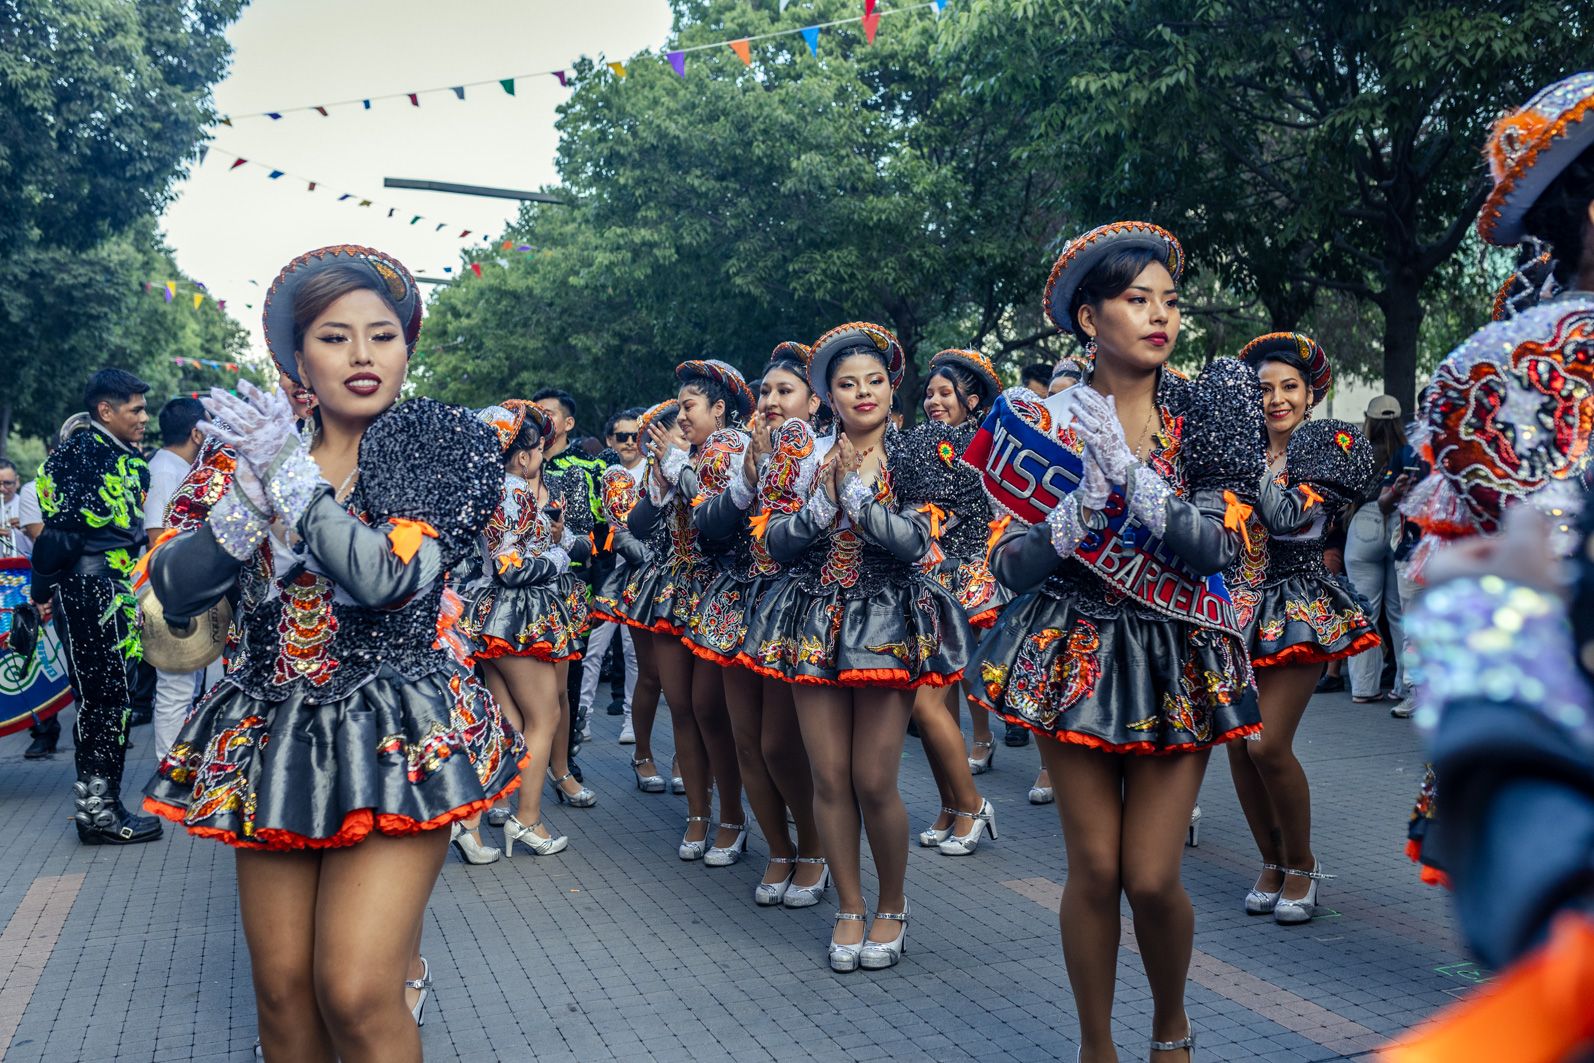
{"x": 1295, "y": 147}
{"x": 717, "y": 214}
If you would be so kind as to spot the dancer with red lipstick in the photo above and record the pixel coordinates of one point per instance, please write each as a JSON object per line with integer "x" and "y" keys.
{"x": 769, "y": 747}
{"x": 1296, "y": 614}
{"x": 957, "y": 395}
{"x": 1128, "y": 690}
{"x": 343, "y": 741}
{"x": 854, "y": 625}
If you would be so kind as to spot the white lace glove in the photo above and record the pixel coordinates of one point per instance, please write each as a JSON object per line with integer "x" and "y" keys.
{"x": 1068, "y": 520}
{"x": 1096, "y": 424}
{"x": 257, "y": 425}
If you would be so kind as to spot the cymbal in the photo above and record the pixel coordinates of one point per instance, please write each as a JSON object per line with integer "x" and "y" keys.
{"x": 183, "y": 649}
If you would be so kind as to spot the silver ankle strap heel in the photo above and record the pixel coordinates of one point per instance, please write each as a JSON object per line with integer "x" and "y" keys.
{"x": 1186, "y": 1042}
{"x": 844, "y": 958}
{"x": 929, "y": 839}
{"x": 1288, "y": 912}
{"x": 694, "y": 850}
{"x": 1262, "y": 902}
{"x": 807, "y": 896}
{"x": 770, "y": 894}
{"x": 879, "y": 955}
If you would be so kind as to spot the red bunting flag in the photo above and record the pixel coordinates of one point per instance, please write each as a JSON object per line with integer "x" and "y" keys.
{"x": 237, "y": 164}
{"x": 868, "y": 7}
{"x": 311, "y": 188}
{"x": 476, "y": 268}
{"x": 414, "y": 100}
{"x": 322, "y": 111}
{"x": 464, "y": 234}
{"x": 221, "y": 304}
{"x": 743, "y": 51}
{"x": 871, "y": 26}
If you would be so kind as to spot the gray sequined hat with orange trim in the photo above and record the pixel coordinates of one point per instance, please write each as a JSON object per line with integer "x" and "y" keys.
{"x": 393, "y": 279}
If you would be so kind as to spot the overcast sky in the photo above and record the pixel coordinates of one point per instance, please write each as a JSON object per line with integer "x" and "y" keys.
{"x": 232, "y": 226}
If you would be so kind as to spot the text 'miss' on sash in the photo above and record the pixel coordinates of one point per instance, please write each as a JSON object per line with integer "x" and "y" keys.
{"x": 1028, "y": 473}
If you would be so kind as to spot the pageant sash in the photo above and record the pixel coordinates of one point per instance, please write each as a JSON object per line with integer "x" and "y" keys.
{"x": 1028, "y": 473}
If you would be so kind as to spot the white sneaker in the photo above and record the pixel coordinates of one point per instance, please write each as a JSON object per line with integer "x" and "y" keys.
{"x": 627, "y": 735}
{"x": 586, "y": 733}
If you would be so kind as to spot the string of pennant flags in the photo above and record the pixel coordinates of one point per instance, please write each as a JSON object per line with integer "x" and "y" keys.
{"x": 676, "y": 57}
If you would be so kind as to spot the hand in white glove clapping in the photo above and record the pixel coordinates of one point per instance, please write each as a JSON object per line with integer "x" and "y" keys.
{"x": 257, "y": 425}
{"x": 1096, "y": 424}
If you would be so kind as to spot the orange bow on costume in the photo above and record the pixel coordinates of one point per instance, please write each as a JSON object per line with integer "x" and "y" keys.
{"x": 997, "y": 526}
{"x": 1235, "y": 516}
{"x": 406, "y": 536}
{"x": 936, "y": 515}
{"x": 759, "y": 522}
{"x": 141, "y": 570}
{"x": 1310, "y": 494}
{"x": 509, "y": 561}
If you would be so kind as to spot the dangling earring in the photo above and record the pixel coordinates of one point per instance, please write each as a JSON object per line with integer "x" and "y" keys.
{"x": 1308, "y": 415}
{"x": 304, "y": 397}
{"x": 1090, "y": 348}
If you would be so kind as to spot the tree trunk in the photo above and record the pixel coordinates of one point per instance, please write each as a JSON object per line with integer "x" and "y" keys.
{"x": 1402, "y": 307}
{"x": 5, "y": 426}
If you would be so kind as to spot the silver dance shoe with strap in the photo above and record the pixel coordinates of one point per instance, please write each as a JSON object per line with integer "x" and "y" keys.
{"x": 929, "y": 839}
{"x": 1289, "y": 912}
{"x": 516, "y": 831}
{"x": 694, "y": 850}
{"x": 964, "y": 844}
{"x": 770, "y": 894}
{"x": 582, "y": 798}
{"x": 879, "y": 955}
{"x": 1262, "y": 902}
{"x": 845, "y": 958}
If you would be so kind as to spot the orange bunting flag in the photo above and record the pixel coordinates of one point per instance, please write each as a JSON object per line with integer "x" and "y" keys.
{"x": 1309, "y": 493}
{"x": 406, "y": 536}
{"x": 997, "y": 526}
{"x": 743, "y": 50}
{"x": 936, "y": 515}
{"x": 759, "y": 522}
{"x": 1235, "y": 515}
{"x": 871, "y": 26}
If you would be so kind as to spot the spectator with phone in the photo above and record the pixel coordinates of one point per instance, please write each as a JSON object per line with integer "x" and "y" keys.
{"x": 1375, "y": 532}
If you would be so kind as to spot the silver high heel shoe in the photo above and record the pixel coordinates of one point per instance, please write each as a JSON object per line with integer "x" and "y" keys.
{"x": 694, "y": 850}
{"x": 1187, "y": 1042}
{"x": 470, "y": 848}
{"x": 1042, "y": 795}
{"x": 1262, "y": 902}
{"x": 516, "y": 831}
{"x": 1193, "y": 837}
{"x": 807, "y": 896}
{"x": 582, "y": 798}
{"x": 648, "y": 784}
{"x": 879, "y": 955}
{"x": 980, "y": 767}
{"x": 770, "y": 894}
{"x": 424, "y": 984}
{"x": 1287, "y": 912}
{"x": 726, "y": 855}
{"x": 677, "y": 784}
{"x": 844, "y": 958}
{"x": 965, "y": 844}
{"x": 929, "y": 839}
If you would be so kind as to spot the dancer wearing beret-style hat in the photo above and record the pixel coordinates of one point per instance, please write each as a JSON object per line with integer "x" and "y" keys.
{"x": 693, "y": 462}
{"x": 1296, "y": 615}
{"x": 344, "y": 738}
{"x": 1127, "y": 693}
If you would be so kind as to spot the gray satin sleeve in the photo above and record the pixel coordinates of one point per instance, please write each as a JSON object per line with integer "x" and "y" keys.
{"x": 629, "y": 548}
{"x": 904, "y": 535}
{"x": 532, "y": 572}
{"x": 788, "y": 535}
{"x": 644, "y": 518}
{"x": 359, "y": 558}
{"x": 1024, "y": 557}
{"x": 191, "y": 572}
{"x": 1282, "y": 510}
{"x": 1196, "y": 533}
{"x": 719, "y": 517}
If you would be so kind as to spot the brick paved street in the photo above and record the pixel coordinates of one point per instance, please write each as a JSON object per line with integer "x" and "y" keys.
{"x": 618, "y": 950}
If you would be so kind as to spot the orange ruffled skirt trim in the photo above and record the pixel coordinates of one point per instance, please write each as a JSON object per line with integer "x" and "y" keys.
{"x": 493, "y": 646}
{"x": 356, "y": 827}
{"x": 892, "y": 678}
{"x": 1312, "y": 653}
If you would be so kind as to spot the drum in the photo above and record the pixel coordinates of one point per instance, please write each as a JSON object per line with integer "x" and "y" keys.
{"x": 31, "y": 691}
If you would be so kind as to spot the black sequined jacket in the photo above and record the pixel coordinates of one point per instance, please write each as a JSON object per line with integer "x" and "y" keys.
{"x": 91, "y": 494}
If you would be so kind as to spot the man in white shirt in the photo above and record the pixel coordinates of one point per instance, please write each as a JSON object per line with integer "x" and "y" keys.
{"x": 621, "y": 437}
{"x": 181, "y": 438}
{"x": 11, "y": 536}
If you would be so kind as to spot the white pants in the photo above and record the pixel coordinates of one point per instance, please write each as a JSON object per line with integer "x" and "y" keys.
{"x": 1370, "y": 565}
{"x": 175, "y": 694}
{"x": 592, "y": 665}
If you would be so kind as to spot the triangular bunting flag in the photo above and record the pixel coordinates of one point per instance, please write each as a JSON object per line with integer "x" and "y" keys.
{"x": 509, "y": 85}
{"x": 274, "y": 116}
{"x": 311, "y": 188}
{"x": 940, "y": 6}
{"x": 346, "y": 195}
{"x": 225, "y": 120}
{"x": 237, "y": 164}
{"x": 221, "y": 304}
{"x": 439, "y": 226}
{"x": 464, "y": 234}
{"x": 366, "y": 104}
{"x": 506, "y": 245}
{"x": 811, "y": 35}
{"x": 322, "y": 111}
{"x": 743, "y": 51}
{"x": 274, "y": 174}
{"x": 868, "y": 7}
{"x": 783, "y": 4}
{"x": 476, "y": 268}
{"x": 618, "y": 68}
{"x": 560, "y": 74}
{"x": 871, "y": 26}
{"x": 171, "y": 290}
{"x": 459, "y": 92}
{"x": 415, "y": 219}
{"x": 365, "y": 202}
{"x": 198, "y": 298}
{"x": 204, "y": 150}
{"x": 678, "y": 62}
{"x": 415, "y": 101}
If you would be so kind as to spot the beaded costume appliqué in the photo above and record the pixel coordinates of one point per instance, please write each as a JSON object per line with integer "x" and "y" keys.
{"x": 306, "y": 629}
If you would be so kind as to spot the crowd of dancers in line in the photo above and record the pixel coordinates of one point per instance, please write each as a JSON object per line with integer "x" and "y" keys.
{"x": 1130, "y": 568}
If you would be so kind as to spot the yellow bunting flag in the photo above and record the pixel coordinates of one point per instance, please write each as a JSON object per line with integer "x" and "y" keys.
{"x": 618, "y": 68}
{"x": 198, "y": 298}
{"x": 171, "y": 290}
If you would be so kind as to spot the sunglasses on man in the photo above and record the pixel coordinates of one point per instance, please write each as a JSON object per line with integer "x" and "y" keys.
{"x": 625, "y": 437}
